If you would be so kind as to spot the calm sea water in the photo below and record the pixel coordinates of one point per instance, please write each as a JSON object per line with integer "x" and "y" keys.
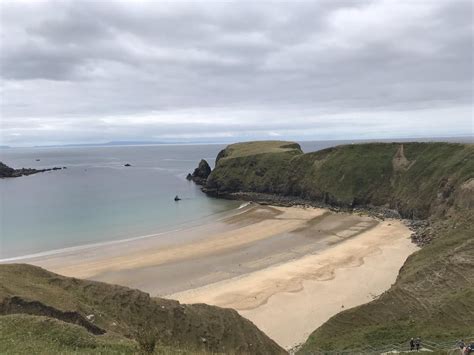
{"x": 96, "y": 199}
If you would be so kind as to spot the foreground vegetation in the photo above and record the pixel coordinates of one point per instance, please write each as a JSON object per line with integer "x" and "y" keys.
{"x": 433, "y": 296}
{"x": 51, "y": 313}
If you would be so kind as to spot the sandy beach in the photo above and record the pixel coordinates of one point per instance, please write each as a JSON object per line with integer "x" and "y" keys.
{"x": 286, "y": 269}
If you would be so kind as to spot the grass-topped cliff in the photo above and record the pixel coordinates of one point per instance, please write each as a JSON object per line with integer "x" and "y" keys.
{"x": 433, "y": 296}
{"x": 44, "y": 313}
{"x": 414, "y": 178}
{"x": 253, "y": 166}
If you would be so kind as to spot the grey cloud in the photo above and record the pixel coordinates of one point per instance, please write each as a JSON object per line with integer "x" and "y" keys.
{"x": 75, "y": 60}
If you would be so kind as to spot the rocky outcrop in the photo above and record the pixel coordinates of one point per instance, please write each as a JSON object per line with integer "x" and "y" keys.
{"x": 7, "y": 172}
{"x": 201, "y": 173}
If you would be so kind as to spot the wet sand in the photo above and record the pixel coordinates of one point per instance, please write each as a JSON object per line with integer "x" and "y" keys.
{"x": 286, "y": 269}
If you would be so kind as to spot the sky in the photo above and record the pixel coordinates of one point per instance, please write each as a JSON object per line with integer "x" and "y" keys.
{"x": 220, "y": 71}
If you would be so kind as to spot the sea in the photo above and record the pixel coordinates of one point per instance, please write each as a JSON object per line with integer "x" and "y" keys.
{"x": 98, "y": 200}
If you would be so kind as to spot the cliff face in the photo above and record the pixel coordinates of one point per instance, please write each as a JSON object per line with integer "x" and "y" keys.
{"x": 433, "y": 296}
{"x": 252, "y": 166}
{"x": 417, "y": 179}
{"x": 109, "y": 317}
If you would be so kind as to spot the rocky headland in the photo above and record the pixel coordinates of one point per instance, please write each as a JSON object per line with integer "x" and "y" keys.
{"x": 8, "y": 172}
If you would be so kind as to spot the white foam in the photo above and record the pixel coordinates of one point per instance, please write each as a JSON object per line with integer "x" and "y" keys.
{"x": 243, "y": 205}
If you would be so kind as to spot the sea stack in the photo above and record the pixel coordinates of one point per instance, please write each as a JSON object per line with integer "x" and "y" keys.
{"x": 201, "y": 173}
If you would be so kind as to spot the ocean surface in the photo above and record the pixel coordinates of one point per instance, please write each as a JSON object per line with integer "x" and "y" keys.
{"x": 97, "y": 199}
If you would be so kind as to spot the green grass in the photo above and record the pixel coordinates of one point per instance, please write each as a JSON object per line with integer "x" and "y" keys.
{"x": 253, "y": 166}
{"x": 129, "y": 314}
{"x": 359, "y": 174}
{"x": 260, "y": 147}
{"x": 27, "y": 334}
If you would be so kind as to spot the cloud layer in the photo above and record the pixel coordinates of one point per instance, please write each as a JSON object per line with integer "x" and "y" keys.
{"x": 88, "y": 71}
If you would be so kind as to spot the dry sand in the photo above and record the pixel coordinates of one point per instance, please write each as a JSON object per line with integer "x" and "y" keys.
{"x": 290, "y": 300}
{"x": 286, "y": 269}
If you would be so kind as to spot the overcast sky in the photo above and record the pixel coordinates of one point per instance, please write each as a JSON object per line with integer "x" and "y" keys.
{"x": 95, "y": 71}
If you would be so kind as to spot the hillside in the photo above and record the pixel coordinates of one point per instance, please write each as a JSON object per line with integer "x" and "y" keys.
{"x": 416, "y": 179}
{"x": 433, "y": 296}
{"x": 60, "y": 314}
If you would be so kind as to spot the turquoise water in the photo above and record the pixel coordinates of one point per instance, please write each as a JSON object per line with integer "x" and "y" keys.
{"x": 97, "y": 199}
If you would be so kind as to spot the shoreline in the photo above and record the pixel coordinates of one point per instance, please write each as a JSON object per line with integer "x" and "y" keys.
{"x": 182, "y": 227}
{"x": 290, "y": 300}
{"x": 420, "y": 236}
{"x": 261, "y": 260}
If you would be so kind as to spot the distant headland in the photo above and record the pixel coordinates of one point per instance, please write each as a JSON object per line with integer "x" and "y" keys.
{"x": 8, "y": 172}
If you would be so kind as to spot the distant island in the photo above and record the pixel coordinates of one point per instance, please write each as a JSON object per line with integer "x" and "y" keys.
{"x": 112, "y": 143}
{"x": 8, "y": 172}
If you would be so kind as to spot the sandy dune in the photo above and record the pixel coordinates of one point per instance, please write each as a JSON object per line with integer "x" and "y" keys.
{"x": 286, "y": 269}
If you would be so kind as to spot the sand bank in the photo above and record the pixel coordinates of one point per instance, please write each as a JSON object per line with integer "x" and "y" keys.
{"x": 286, "y": 269}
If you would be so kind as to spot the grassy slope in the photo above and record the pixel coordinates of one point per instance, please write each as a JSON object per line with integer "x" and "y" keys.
{"x": 365, "y": 174}
{"x": 124, "y": 313}
{"x": 433, "y": 295}
{"x": 432, "y": 298}
{"x": 27, "y": 334}
{"x": 350, "y": 175}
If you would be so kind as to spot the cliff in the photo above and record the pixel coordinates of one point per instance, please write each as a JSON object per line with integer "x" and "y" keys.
{"x": 416, "y": 179}
{"x": 433, "y": 296}
{"x": 42, "y": 312}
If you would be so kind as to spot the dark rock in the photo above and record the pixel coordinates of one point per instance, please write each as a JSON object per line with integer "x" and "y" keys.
{"x": 201, "y": 173}
{"x": 422, "y": 233}
{"x": 7, "y": 172}
{"x": 127, "y": 164}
